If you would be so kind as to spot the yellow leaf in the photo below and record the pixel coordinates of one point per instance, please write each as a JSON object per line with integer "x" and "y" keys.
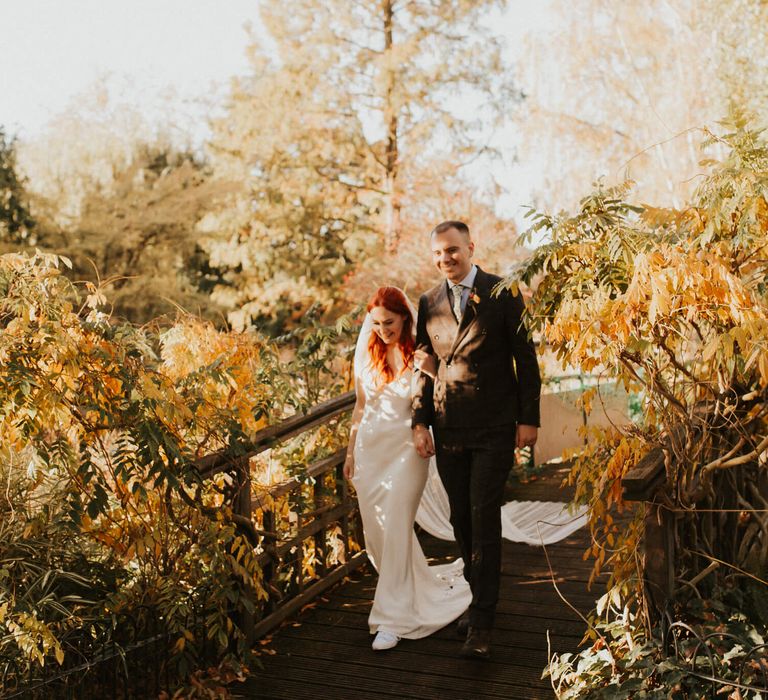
{"x": 710, "y": 349}
{"x": 763, "y": 365}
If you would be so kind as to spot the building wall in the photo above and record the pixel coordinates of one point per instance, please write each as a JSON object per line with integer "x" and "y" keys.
{"x": 561, "y": 419}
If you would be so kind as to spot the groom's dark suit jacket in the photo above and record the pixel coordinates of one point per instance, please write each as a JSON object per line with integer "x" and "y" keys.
{"x": 487, "y": 372}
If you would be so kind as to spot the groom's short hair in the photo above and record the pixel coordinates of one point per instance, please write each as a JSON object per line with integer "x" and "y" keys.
{"x": 460, "y": 226}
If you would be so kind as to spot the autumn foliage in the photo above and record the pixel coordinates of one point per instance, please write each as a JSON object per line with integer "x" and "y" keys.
{"x": 104, "y": 513}
{"x": 672, "y": 304}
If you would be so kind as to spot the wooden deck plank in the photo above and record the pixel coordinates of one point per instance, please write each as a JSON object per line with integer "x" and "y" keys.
{"x": 432, "y": 679}
{"x": 514, "y": 622}
{"x": 525, "y": 653}
{"x": 326, "y": 654}
{"x": 534, "y": 609}
{"x": 524, "y": 592}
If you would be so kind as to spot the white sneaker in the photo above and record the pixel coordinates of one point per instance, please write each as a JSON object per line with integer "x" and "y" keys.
{"x": 385, "y": 640}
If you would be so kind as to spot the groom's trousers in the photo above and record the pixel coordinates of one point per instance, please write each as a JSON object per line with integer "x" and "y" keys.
{"x": 474, "y": 464}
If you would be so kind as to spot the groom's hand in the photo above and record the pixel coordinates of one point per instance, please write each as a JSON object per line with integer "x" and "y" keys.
{"x": 526, "y": 436}
{"x": 422, "y": 439}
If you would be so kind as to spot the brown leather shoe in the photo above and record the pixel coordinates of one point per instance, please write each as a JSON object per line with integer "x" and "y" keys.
{"x": 462, "y": 625}
{"x": 478, "y": 644}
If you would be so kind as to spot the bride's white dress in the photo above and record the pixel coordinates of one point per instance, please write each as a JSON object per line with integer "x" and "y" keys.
{"x": 412, "y": 599}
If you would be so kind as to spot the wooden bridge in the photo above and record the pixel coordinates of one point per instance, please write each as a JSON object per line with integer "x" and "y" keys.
{"x": 304, "y": 528}
{"x": 325, "y": 652}
{"x": 320, "y": 647}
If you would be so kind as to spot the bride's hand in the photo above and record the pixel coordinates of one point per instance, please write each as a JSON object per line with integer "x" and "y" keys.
{"x": 349, "y": 466}
{"x": 425, "y": 362}
{"x": 422, "y": 440}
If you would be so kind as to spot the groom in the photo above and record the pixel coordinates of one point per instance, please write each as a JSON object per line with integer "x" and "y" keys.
{"x": 481, "y": 404}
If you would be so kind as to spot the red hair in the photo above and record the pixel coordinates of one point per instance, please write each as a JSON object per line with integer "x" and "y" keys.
{"x": 393, "y": 300}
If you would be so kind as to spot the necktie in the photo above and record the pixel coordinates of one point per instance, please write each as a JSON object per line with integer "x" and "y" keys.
{"x": 457, "y": 290}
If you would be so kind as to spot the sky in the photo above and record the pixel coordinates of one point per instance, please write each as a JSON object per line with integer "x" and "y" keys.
{"x": 53, "y": 50}
{"x": 167, "y": 56}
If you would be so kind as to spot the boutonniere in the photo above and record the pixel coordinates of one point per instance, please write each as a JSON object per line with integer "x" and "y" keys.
{"x": 473, "y": 296}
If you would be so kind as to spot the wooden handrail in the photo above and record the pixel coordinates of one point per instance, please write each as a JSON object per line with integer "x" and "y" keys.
{"x": 313, "y": 470}
{"x": 281, "y": 542}
{"x": 217, "y": 461}
{"x": 644, "y": 479}
{"x": 290, "y": 427}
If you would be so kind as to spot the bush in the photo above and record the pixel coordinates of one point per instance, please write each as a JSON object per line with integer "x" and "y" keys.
{"x": 103, "y": 513}
{"x": 674, "y": 306}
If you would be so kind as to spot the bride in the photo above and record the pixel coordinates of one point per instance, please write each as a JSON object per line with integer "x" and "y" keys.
{"x": 412, "y": 599}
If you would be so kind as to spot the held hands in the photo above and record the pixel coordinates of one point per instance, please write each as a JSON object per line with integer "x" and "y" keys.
{"x": 422, "y": 439}
{"x": 526, "y": 436}
{"x": 349, "y": 466}
{"x": 424, "y": 362}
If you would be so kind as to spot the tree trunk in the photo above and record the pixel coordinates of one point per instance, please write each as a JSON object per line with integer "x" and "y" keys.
{"x": 390, "y": 116}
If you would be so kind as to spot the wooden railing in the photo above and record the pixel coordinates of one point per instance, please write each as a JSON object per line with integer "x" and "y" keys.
{"x": 320, "y": 507}
{"x": 120, "y": 657}
{"x": 644, "y": 484}
{"x": 320, "y": 510}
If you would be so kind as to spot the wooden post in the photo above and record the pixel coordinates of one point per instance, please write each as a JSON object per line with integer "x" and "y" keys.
{"x": 242, "y": 506}
{"x": 296, "y": 583}
{"x": 643, "y": 484}
{"x": 242, "y": 500}
{"x": 658, "y": 558}
{"x": 319, "y": 537}
{"x": 268, "y": 568}
{"x": 341, "y": 497}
